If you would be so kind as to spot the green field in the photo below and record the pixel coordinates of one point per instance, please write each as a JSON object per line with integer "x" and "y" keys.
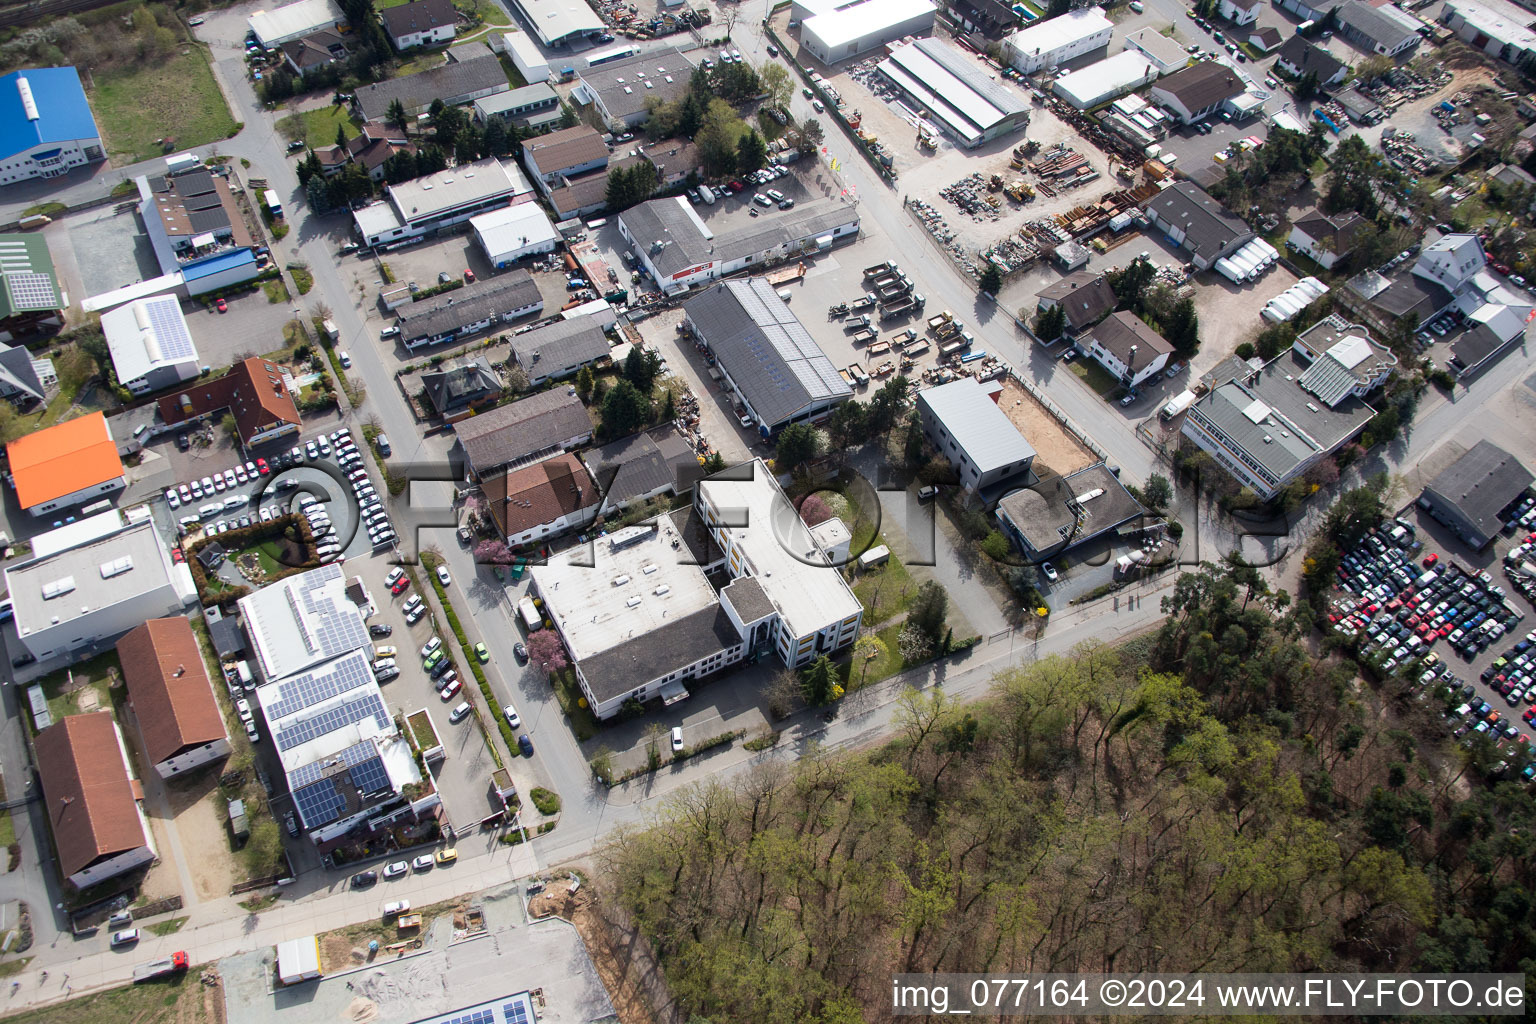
{"x": 176, "y": 98}
{"x": 320, "y": 125}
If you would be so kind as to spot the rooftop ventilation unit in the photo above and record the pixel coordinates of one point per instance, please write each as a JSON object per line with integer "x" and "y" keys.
{"x": 58, "y": 588}
{"x": 619, "y": 581}
{"x": 116, "y": 567}
{"x": 633, "y": 602}
{"x": 662, "y": 590}
{"x": 649, "y": 568}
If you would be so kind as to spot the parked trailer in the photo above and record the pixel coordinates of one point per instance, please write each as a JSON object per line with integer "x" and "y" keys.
{"x": 891, "y": 312}
{"x": 863, "y": 335}
{"x": 1227, "y": 269}
{"x": 172, "y": 964}
{"x": 949, "y": 348}
{"x": 878, "y": 268}
{"x": 529, "y": 613}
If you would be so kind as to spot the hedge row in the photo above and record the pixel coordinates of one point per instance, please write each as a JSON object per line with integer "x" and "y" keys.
{"x": 430, "y": 562}
{"x": 678, "y": 758}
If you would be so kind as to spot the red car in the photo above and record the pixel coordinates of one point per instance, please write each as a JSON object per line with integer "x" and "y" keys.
{"x": 262, "y": 467}
{"x": 220, "y": 306}
{"x": 400, "y": 585}
{"x": 177, "y": 555}
{"x": 1529, "y": 714}
{"x": 735, "y": 186}
{"x": 469, "y": 275}
{"x": 1430, "y": 559}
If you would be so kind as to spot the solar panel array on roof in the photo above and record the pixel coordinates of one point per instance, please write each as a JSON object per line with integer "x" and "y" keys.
{"x": 319, "y": 803}
{"x": 518, "y": 1011}
{"x": 332, "y": 718}
{"x": 310, "y": 688}
{"x": 170, "y": 329}
{"x": 209, "y": 201}
{"x": 193, "y": 183}
{"x": 474, "y": 1017}
{"x": 30, "y": 291}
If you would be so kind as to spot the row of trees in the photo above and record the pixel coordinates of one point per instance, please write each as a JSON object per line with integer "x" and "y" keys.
{"x": 1224, "y": 800}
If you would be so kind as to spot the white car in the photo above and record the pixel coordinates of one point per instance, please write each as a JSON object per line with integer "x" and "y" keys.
{"x": 511, "y": 714}
{"x": 215, "y": 483}
{"x": 310, "y": 451}
{"x": 241, "y": 475}
{"x": 229, "y": 478}
{"x": 431, "y": 645}
{"x": 443, "y": 577}
{"x": 266, "y": 515}
{"x": 459, "y": 713}
{"x": 423, "y": 863}
{"x": 235, "y": 501}
{"x": 1049, "y": 571}
{"x": 394, "y": 576}
{"x": 188, "y": 494}
{"x": 243, "y": 706}
{"x": 677, "y": 738}
{"x": 396, "y": 869}
{"x": 172, "y": 499}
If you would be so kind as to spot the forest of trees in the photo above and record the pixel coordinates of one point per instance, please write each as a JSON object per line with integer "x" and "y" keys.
{"x": 1210, "y": 798}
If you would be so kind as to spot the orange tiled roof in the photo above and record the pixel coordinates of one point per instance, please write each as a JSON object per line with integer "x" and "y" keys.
{"x": 62, "y": 459}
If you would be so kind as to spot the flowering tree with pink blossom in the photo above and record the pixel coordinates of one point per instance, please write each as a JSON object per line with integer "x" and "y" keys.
{"x": 493, "y": 552}
{"x": 813, "y": 510}
{"x": 546, "y": 651}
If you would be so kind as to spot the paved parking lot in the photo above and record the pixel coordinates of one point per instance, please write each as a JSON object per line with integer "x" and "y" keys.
{"x": 1464, "y": 593}
{"x": 463, "y": 776}
{"x": 252, "y": 326}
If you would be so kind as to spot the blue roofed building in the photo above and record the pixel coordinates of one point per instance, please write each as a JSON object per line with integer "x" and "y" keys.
{"x": 46, "y": 126}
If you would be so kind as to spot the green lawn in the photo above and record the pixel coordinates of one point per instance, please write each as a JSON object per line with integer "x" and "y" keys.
{"x": 174, "y": 98}
{"x": 320, "y": 125}
{"x": 861, "y": 673}
{"x": 489, "y": 13}
{"x": 93, "y": 673}
{"x": 568, "y": 693}
{"x": 425, "y": 61}
{"x": 513, "y": 75}
{"x": 885, "y": 591}
{"x": 170, "y": 927}
{"x": 1094, "y": 375}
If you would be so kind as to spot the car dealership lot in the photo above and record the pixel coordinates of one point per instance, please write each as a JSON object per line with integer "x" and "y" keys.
{"x": 1456, "y": 633}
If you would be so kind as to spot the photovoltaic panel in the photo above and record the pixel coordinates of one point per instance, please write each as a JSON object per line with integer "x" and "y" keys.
{"x": 319, "y": 803}
{"x": 338, "y": 716}
{"x": 312, "y": 687}
{"x": 370, "y": 776}
{"x": 518, "y": 1011}
{"x": 170, "y": 328}
{"x": 32, "y": 291}
{"x": 474, "y": 1017}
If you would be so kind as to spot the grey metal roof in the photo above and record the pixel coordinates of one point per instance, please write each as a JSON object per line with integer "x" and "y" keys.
{"x": 676, "y": 645}
{"x": 522, "y": 429}
{"x": 642, "y": 463}
{"x": 1209, "y": 227}
{"x": 1410, "y": 293}
{"x": 978, "y": 426}
{"x": 773, "y": 359}
{"x": 626, "y": 85}
{"x": 1479, "y": 344}
{"x": 18, "y": 370}
{"x": 686, "y": 242}
{"x": 1384, "y": 25}
{"x": 560, "y": 347}
{"x": 1278, "y": 424}
{"x": 1480, "y": 484}
{"x": 467, "y": 305}
{"x": 448, "y": 83}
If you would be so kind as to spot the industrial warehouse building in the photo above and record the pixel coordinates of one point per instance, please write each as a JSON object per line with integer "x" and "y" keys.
{"x": 1058, "y": 40}
{"x": 948, "y": 87}
{"x": 768, "y": 359}
{"x": 514, "y": 232}
{"x": 1471, "y": 492}
{"x": 467, "y": 311}
{"x": 422, "y": 206}
{"x": 964, "y": 423}
{"x": 46, "y": 125}
{"x": 835, "y": 30}
{"x": 1105, "y": 80}
{"x": 150, "y": 345}
{"x": 557, "y": 22}
{"x": 674, "y": 246}
{"x": 646, "y": 619}
{"x": 294, "y": 21}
